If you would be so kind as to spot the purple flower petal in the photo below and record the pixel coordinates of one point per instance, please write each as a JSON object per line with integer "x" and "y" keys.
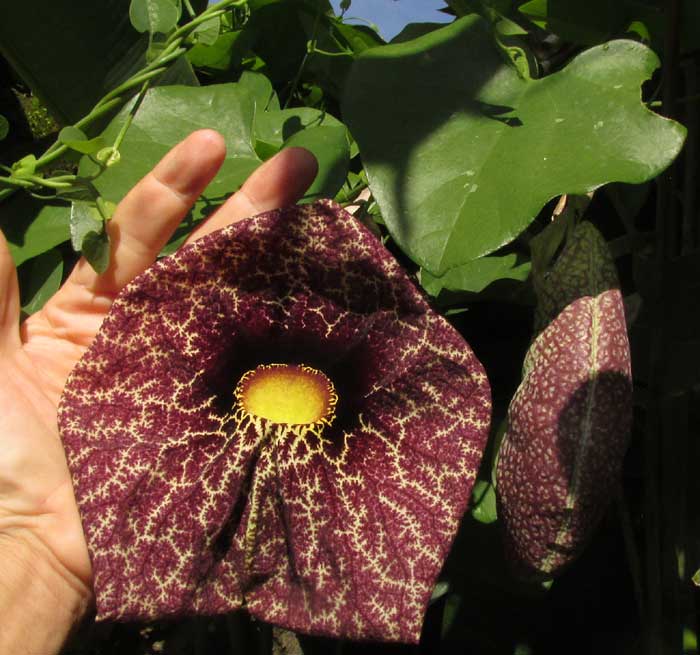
{"x": 190, "y": 506}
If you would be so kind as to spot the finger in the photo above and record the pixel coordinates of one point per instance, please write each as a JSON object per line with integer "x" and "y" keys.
{"x": 280, "y": 181}
{"x": 149, "y": 214}
{"x": 9, "y": 299}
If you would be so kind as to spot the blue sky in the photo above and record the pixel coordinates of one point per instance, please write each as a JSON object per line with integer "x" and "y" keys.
{"x": 392, "y": 15}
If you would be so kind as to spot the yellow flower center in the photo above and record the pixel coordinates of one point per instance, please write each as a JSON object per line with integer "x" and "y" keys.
{"x": 292, "y": 394}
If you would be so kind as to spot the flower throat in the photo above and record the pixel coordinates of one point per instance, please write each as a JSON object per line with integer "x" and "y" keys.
{"x": 290, "y": 394}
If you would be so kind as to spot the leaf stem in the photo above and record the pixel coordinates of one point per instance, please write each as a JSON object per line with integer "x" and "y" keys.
{"x": 312, "y": 49}
{"x": 132, "y": 112}
{"x": 188, "y": 6}
{"x": 102, "y": 208}
{"x": 16, "y": 182}
{"x": 210, "y": 12}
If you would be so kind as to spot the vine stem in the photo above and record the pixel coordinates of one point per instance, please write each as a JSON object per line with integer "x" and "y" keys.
{"x": 300, "y": 70}
{"x": 189, "y": 8}
{"x": 130, "y": 117}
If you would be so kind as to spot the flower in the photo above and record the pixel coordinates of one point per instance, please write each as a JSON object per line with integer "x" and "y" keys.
{"x": 569, "y": 421}
{"x": 274, "y": 418}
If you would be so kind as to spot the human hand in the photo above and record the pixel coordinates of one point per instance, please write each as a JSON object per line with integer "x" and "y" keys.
{"x": 41, "y": 538}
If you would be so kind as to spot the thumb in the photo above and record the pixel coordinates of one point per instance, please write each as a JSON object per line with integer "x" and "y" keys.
{"x": 9, "y": 299}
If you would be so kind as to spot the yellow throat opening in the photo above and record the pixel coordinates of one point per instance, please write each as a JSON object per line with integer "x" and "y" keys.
{"x": 293, "y": 394}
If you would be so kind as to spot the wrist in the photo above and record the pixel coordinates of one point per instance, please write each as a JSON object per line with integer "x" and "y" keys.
{"x": 41, "y": 602}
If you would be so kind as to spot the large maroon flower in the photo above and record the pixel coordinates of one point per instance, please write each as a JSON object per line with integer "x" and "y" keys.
{"x": 273, "y": 418}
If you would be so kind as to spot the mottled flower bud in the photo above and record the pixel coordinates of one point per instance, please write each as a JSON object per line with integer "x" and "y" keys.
{"x": 569, "y": 421}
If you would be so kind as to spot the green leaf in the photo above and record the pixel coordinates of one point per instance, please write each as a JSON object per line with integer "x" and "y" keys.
{"x": 484, "y": 499}
{"x": 33, "y": 227}
{"x": 71, "y": 133}
{"x": 88, "y": 234}
{"x": 153, "y": 15}
{"x": 261, "y": 89}
{"x": 84, "y": 219}
{"x": 225, "y": 53}
{"x": 275, "y": 127}
{"x": 25, "y": 167}
{"x": 207, "y": 32}
{"x": 324, "y": 135}
{"x": 166, "y": 116}
{"x": 476, "y": 275}
{"x": 96, "y": 250}
{"x": 330, "y": 147}
{"x": 265, "y": 150}
{"x": 358, "y": 37}
{"x": 77, "y": 140}
{"x": 4, "y": 127}
{"x": 39, "y": 279}
{"x": 462, "y": 158}
{"x": 640, "y": 29}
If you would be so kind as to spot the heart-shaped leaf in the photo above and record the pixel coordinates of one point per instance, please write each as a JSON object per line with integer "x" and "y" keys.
{"x": 224, "y": 53}
{"x": 96, "y": 250}
{"x": 77, "y": 140}
{"x": 461, "y": 152}
{"x": 88, "y": 234}
{"x": 84, "y": 218}
{"x": 154, "y": 15}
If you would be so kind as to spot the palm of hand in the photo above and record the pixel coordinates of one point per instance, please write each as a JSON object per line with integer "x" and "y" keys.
{"x": 37, "y": 504}
{"x": 38, "y": 498}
